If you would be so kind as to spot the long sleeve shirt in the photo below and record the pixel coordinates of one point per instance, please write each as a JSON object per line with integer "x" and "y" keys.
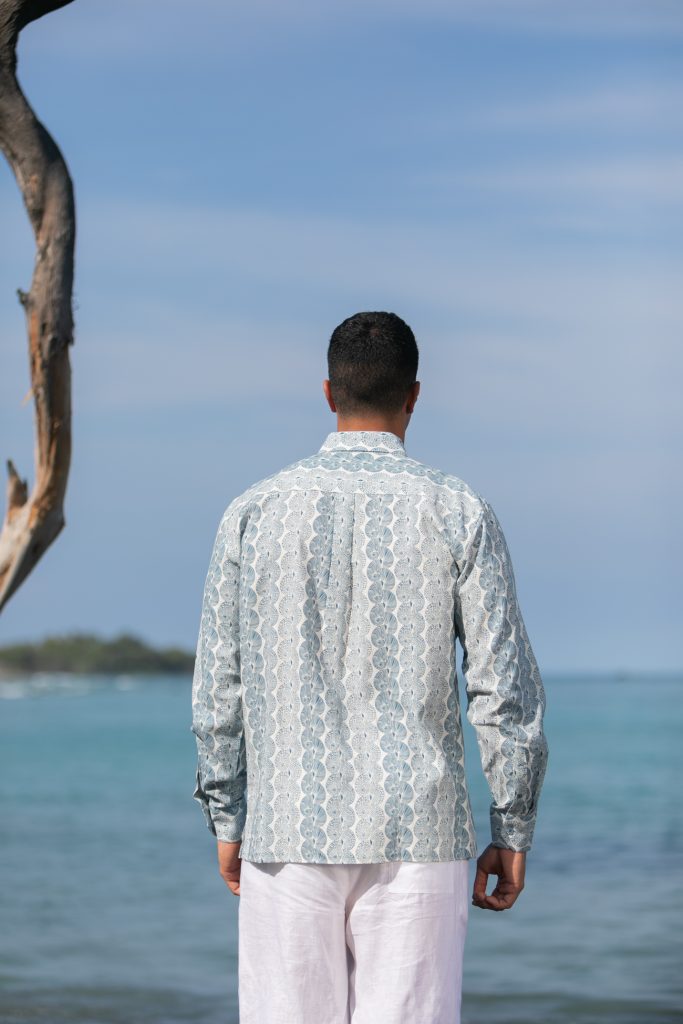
{"x": 324, "y": 698}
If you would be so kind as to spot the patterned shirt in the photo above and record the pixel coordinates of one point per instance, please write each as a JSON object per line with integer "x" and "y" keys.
{"x": 324, "y": 698}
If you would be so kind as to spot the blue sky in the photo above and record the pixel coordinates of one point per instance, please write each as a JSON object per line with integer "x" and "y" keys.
{"x": 507, "y": 176}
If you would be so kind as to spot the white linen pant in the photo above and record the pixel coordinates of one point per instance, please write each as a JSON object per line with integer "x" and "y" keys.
{"x": 352, "y": 943}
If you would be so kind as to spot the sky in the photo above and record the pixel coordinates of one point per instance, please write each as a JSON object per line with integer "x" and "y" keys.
{"x": 507, "y": 177}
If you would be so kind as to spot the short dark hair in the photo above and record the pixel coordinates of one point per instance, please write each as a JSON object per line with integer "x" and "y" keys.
{"x": 372, "y": 361}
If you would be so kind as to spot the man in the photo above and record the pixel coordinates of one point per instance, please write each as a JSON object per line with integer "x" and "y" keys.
{"x": 326, "y": 710}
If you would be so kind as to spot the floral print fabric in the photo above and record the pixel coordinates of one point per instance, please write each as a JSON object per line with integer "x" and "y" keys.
{"x": 324, "y": 699}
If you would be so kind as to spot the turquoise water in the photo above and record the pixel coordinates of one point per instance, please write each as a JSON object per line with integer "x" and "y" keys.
{"x": 113, "y": 912}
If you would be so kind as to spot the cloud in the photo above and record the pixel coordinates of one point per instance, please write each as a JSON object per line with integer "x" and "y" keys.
{"x": 165, "y": 27}
{"x": 634, "y": 106}
{"x": 472, "y": 269}
{"x": 234, "y": 260}
{"x": 226, "y": 306}
{"x": 613, "y": 180}
{"x": 193, "y": 359}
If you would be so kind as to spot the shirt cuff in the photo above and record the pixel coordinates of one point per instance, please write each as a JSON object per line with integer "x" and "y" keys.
{"x": 512, "y": 833}
{"x": 224, "y": 825}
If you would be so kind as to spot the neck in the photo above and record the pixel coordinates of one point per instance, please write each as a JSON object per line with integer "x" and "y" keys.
{"x": 393, "y": 424}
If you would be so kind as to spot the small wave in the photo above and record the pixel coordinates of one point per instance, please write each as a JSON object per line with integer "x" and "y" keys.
{"x": 41, "y": 684}
{"x": 126, "y": 683}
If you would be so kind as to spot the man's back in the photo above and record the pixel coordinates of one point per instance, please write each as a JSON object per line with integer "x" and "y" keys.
{"x": 326, "y": 664}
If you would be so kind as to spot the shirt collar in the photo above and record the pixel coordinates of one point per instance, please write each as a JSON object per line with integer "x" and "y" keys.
{"x": 363, "y": 440}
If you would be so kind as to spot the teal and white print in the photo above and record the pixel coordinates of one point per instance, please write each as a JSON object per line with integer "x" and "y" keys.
{"x": 324, "y": 699}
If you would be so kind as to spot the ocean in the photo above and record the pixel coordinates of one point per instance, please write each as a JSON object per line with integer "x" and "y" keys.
{"x": 112, "y": 910}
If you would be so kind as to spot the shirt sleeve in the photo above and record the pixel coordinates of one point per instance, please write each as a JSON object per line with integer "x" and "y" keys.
{"x": 505, "y": 694}
{"x": 217, "y": 719}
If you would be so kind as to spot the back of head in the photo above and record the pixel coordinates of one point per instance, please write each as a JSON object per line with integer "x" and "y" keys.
{"x": 372, "y": 362}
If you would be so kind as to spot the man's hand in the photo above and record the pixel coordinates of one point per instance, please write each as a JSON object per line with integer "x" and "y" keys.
{"x": 229, "y": 864}
{"x": 509, "y": 865}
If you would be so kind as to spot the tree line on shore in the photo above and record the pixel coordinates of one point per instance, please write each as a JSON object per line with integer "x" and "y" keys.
{"x": 86, "y": 653}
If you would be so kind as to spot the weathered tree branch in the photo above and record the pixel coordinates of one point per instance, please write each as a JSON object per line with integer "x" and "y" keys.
{"x": 33, "y": 521}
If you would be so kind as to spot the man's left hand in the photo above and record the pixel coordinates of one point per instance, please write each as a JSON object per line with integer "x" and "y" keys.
{"x": 229, "y": 864}
{"x": 510, "y": 866}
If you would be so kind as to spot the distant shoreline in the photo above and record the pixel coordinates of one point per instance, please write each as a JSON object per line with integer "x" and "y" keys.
{"x": 89, "y": 654}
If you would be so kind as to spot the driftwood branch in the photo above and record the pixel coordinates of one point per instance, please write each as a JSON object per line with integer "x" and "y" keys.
{"x": 32, "y": 521}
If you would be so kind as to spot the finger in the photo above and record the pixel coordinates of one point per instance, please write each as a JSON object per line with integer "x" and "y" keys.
{"x": 507, "y": 890}
{"x": 230, "y": 876}
{"x": 500, "y": 901}
{"x": 480, "y": 879}
{"x": 480, "y": 901}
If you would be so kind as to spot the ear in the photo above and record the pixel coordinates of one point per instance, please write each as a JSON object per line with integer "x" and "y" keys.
{"x": 328, "y": 395}
{"x": 412, "y": 396}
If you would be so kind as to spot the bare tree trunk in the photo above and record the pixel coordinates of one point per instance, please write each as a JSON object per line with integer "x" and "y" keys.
{"x": 32, "y": 522}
